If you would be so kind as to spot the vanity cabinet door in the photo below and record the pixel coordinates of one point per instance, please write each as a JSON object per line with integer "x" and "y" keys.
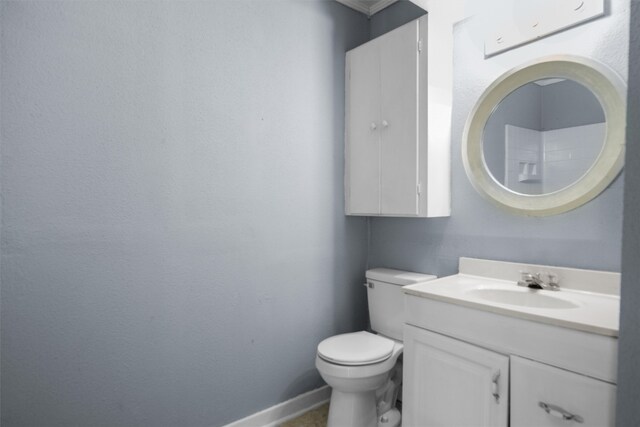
{"x": 542, "y": 396}
{"x": 451, "y": 383}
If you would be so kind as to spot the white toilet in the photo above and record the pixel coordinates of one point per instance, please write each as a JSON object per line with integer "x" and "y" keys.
{"x": 362, "y": 368}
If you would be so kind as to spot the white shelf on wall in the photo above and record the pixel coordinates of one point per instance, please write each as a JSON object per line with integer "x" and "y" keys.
{"x": 540, "y": 18}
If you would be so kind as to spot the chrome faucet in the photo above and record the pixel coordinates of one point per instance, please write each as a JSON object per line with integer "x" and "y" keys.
{"x": 546, "y": 281}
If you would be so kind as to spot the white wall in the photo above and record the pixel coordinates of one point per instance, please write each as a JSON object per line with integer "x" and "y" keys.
{"x": 569, "y": 153}
{"x": 173, "y": 238}
{"x": 547, "y": 161}
{"x": 524, "y": 160}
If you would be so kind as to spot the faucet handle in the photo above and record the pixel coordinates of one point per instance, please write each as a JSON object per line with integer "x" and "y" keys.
{"x": 525, "y": 275}
{"x": 526, "y": 279}
{"x": 552, "y": 278}
{"x": 530, "y": 277}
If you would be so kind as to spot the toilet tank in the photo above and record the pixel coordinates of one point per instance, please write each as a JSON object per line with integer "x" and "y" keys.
{"x": 386, "y": 300}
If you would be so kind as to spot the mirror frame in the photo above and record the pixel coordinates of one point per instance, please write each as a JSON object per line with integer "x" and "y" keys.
{"x": 609, "y": 89}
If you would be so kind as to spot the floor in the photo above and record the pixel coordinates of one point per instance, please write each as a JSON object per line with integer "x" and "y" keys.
{"x": 314, "y": 418}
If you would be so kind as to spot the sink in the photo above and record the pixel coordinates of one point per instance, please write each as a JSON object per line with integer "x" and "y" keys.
{"x": 522, "y": 298}
{"x": 588, "y": 300}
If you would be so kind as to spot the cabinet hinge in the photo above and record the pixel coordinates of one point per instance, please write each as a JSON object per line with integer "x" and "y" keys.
{"x": 420, "y": 45}
{"x": 419, "y": 189}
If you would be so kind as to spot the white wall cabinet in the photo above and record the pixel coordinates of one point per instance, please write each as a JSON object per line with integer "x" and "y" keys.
{"x": 387, "y": 154}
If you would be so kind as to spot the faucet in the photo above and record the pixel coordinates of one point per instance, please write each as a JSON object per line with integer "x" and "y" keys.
{"x": 538, "y": 281}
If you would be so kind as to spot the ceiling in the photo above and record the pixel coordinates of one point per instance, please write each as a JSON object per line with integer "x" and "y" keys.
{"x": 368, "y": 7}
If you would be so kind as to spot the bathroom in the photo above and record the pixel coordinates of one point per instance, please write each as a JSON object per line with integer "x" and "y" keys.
{"x": 174, "y": 238}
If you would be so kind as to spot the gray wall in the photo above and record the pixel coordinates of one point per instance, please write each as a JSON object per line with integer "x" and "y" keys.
{"x": 588, "y": 237}
{"x": 173, "y": 243}
{"x": 173, "y": 238}
{"x": 628, "y": 410}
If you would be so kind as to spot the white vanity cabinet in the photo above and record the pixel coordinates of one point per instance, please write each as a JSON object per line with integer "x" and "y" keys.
{"x": 542, "y": 395}
{"x": 479, "y": 350}
{"x": 387, "y": 154}
{"x": 451, "y": 383}
{"x": 448, "y": 382}
{"x": 456, "y": 358}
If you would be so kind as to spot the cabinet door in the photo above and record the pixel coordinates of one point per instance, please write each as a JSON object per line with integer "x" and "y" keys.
{"x": 363, "y": 129}
{"x": 399, "y": 118}
{"x": 451, "y": 383}
{"x": 542, "y": 395}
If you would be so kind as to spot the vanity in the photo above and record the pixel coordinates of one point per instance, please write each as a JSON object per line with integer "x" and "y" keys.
{"x": 482, "y": 351}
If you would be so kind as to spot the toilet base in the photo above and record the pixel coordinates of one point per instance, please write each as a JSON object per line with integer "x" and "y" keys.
{"x": 349, "y": 407}
{"x": 391, "y": 418}
{"x": 352, "y": 409}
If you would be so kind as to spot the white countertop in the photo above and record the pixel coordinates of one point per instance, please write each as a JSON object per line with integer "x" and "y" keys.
{"x": 589, "y": 311}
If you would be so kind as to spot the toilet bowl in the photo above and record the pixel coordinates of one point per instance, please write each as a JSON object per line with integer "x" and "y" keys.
{"x": 362, "y": 368}
{"x": 355, "y": 365}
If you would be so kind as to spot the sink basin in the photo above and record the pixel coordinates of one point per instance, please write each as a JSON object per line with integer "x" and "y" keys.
{"x": 522, "y": 298}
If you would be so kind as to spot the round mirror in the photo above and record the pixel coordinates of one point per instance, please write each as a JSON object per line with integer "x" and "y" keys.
{"x": 548, "y": 136}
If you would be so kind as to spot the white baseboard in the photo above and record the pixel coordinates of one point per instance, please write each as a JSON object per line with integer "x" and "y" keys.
{"x": 275, "y": 415}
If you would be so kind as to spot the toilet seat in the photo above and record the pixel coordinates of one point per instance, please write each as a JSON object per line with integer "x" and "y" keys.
{"x": 356, "y": 349}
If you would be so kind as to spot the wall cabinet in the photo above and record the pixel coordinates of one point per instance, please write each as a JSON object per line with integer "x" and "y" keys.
{"x": 387, "y": 154}
{"x": 448, "y": 382}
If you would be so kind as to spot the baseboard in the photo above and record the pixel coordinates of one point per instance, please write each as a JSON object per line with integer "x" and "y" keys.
{"x": 277, "y": 414}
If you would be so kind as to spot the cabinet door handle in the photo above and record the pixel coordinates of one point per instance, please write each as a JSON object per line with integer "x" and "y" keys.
{"x": 373, "y": 126}
{"x": 495, "y": 388}
{"x": 558, "y": 412}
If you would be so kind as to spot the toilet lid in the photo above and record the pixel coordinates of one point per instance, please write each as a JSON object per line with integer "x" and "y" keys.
{"x": 357, "y": 348}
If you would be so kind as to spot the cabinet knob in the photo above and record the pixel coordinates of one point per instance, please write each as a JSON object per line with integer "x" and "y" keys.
{"x": 385, "y": 123}
{"x": 373, "y": 126}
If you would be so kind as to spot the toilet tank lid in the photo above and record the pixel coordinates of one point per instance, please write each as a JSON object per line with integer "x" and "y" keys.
{"x": 398, "y": 277}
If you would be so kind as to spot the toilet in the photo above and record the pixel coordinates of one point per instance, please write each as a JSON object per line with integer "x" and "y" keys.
{"x": 362, "y": 368}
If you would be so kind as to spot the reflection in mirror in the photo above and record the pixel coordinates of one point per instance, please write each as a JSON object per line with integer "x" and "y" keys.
{"x": 544, "y": 136}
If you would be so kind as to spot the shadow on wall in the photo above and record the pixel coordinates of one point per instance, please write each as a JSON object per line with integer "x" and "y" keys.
{"x": 340, "y": 276}
{"x": 349, "y": 298}
{"x": 394, "y": 16}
